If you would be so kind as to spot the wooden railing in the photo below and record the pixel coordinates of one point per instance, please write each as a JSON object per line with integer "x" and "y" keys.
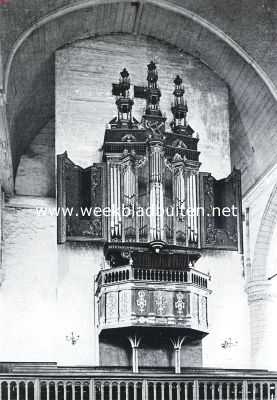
{"x": 120, "y": 274}
{"x": 127, "y": 386}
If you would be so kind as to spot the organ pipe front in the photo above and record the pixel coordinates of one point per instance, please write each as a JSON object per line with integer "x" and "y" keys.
{"x": 115, "y": 202}
{"x": 156, "y": 193}
{"x": 150, "y": 181}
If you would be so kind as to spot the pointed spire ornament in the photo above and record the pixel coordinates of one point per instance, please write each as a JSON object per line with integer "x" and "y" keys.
{"x": 123, "y": 101}
{"x": 151, "y": 93}
{"x": 179, "y": 108}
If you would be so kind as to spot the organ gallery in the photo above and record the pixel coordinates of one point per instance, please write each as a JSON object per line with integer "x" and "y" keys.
{"x": 159, "y": 218}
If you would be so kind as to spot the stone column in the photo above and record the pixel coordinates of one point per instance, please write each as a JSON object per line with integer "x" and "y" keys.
{"x": 259, "y": 299}
{"x": 135, "y": 342}
{"x": 177, "y": 345}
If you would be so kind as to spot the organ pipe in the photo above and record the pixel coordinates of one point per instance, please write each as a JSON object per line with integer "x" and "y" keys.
{"x": 188, "y": 207}
{"x": 115, "y": 201}
{"x": 129, "y": 185}
{"x": 195, "y": 227}
{"x": 156, "y": 194}
{"x": 192, "y": 208}
{"x": 112, "y": 202}
{"x": 180, "y": 193}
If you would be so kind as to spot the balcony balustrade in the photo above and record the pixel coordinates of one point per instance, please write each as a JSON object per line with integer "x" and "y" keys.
{"x": 77, "y": 384}
{"x": 120, "y": 274}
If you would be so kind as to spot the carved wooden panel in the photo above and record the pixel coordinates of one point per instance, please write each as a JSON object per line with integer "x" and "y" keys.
{"x": 148, "y": 306}
{"x": 111, "y": 307}
{"x": 221, "y": 222}
{"x": 61, "y": 198}
{"x": 97, "y": 224}
{"x": 125, "y": 304}
{"x": 182, "y": 304}
{"x": 79, "y": 193}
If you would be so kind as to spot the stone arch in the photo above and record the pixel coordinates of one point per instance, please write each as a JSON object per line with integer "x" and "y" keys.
{"x": 266, "y": 230}
{"x": 29, "y": 77}
{"x": 261, "y": 300}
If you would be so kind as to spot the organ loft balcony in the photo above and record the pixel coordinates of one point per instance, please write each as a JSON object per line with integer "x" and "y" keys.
{"x": 137, "y": 296}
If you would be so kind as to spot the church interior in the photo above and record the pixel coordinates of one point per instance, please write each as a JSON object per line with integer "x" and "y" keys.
{"x": 110, "y": 109}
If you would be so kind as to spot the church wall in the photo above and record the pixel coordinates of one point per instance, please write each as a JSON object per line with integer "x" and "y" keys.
{"x": 28, "y": 282}
{"x": 228, "y": 311}
{"x": 77, "y": 268}
{"x": 45, "y": 294}
{"x": 114, "y": 353}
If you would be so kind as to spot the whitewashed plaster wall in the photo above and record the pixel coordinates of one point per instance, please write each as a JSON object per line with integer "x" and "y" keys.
{"x": 29, "y": 282}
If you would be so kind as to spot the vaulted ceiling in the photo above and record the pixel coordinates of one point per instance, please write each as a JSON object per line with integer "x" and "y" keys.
{"x": 33, "y": 30}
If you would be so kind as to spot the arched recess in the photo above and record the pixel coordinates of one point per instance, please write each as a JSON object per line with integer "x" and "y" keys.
{"x": 29, "y": 74}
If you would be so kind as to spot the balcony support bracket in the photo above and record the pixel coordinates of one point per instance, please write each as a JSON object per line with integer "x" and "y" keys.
{"x": 177, "y": 345}
{"x": 135, "y": 342}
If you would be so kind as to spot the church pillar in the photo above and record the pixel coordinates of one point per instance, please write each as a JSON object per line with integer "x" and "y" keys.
{"x": 259, "y": 299}
{"x": 135, "y": 342}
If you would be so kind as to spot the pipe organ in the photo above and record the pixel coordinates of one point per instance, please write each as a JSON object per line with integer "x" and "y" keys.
{"x": 115, "y": 201}
{"x": 156, "y": 192}
{"x": 149, "y": 203}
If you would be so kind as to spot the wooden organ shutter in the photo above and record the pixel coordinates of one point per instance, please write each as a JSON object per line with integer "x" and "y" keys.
{"x": 61, "y": 198}
{"x": 221, "y": 221}
{"x": 98, "y": 228}
{"x": 79, "y": 191}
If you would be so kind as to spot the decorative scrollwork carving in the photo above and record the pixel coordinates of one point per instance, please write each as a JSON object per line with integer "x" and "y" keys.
{"x": 161, "y": 302}
{"x": 179, "y": 303}
{"x": 111, "y": 306}
{"x": 156, "y": 128}
{"x": 141, "y": 301}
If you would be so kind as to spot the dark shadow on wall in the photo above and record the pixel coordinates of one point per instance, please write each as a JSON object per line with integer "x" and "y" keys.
{"x": 36, "y": 170}
{"x": 241, "y": 150}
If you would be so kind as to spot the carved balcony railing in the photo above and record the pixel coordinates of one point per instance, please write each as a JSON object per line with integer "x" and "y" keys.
{"x": 142, "y": 297}
{"x": 120, "y": 274}
{"x": 95, "y": 384}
